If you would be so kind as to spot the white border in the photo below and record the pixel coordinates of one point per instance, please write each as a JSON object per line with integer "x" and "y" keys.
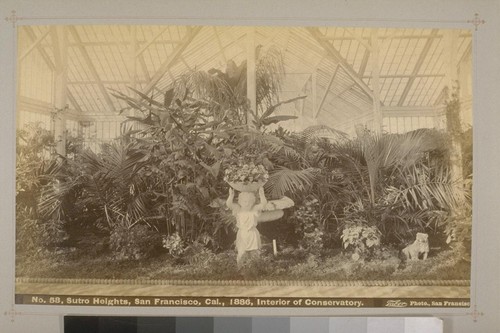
{"x": 388, "y": 13}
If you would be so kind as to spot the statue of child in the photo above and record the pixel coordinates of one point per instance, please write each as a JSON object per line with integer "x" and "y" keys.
{"x": 247, "y": 214}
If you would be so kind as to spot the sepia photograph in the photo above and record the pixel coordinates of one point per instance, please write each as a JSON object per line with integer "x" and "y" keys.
{"x": 243, "y": 166}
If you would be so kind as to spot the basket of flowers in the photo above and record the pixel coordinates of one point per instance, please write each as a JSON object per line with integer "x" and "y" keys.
{"x": 246, "y": 177}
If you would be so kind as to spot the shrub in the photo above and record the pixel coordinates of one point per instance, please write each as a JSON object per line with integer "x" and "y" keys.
{"x": 34, "y": 236}
{"x": 256, "y": 266}
{"x": 307, "y": 226}
{"x": 361, "y": 239}
{"x": 135, "y": 243}
{"x": 198, "y": 255}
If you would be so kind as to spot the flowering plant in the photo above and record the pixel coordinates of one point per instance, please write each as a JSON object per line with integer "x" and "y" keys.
{"x": 173, "y": 244}
{"x": 246, "y": 173}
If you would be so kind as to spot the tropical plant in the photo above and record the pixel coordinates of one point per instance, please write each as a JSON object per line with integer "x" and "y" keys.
{"x": 37, "y": 167}
{"x": 361, "y": 239}
{"x": 199, "y": 127}
{"x": 308, "y": 227}
{"x": 134, "y": 243}
{"x": 34, "y": 162}
{"x": 398, "y": 183}
{"x": 108, "y": 190}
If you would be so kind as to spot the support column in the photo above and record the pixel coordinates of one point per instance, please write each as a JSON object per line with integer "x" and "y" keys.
{"x": 377, "y": 112}
{"x": 60, "y": 41}
{"x": 132, "y": 62}
{"x": 314, "y": 90}
{"x": 251, "y": 74}
{"x": 453, "y": 109}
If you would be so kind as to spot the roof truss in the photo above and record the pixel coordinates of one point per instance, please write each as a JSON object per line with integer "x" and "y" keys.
{"x": 49, "y": 63}
{"x": 417, "y": 67}
{"x": 172, "y": 59}
{"x": 93, "y": 71}
{"x": 333, "y": 52}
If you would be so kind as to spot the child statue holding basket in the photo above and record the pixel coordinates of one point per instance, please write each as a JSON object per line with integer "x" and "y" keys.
{"x": 249, "y": 179}
{"x": 247, "y": 216}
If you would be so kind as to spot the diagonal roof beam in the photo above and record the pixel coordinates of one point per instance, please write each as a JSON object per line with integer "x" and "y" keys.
{"x": 359, "y": 39}
{"x": 144, "y": 68}
{"x": 34, "y": 45}
{"x": 332, "y": 52}
{"x": 332, "y": 78}
{"x": 418, "y": 65}
{"x": 148, "y": 44}
{"x": 467, "y": 52}
{"x": 46, "y": 58}
{"x": 139, "y": 54}
{"x": 91, "y": 67}
{"x": 172, "y": 59}
{"x": 219, "y": 44}
{"x": 31, "y": 35}
{"x": 73, "y": 101}
{"x": 364, "y": 63}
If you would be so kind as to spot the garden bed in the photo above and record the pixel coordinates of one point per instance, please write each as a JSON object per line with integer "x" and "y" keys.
{"x": 289, "y": 265}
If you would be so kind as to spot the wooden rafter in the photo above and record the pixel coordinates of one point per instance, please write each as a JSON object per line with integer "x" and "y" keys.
{"x": 304, "y": 86}
{"x": 346, "y": 109}
{"x": 144, "y": 68}
{"x": 406, "y": 76}
{"x": 57, "y": 49}
{"x": 46, "y": 58}
{"x": 172, "y": 59}
{"x": 139, "y": 56}
{"x": 359, "y": 39}
{"x": 72, "y": 99}
{"x": 332, "y": 51}
{"x": 50, "y": 64}
{"x": 149, "y": 43}
{"x": 364, "y": 63}
{"x": 467, "y": 52}
{"x": 215, "y": 55}
{"x": 338, "y": 97}
{"x": 82, "y": 82}
{"x": 303, "y": 91}
{"x": 377, "y": 114}
{"x": 393, "y": 36}
{"x": 251, "y": 73}
{"x": 219, "y": 44}
{"x": 92, "y": 68}
{"x": 269, "y": 39}
{"x": 34, "y": 45}
{"x": 132, "y": 56}
{"x": 183, "y": 60}
{"x": 418, "y": 65}
{"x": 332, "y": 78}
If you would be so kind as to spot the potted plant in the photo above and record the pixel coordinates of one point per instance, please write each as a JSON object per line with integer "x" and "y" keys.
{"x": 246, "y": 177}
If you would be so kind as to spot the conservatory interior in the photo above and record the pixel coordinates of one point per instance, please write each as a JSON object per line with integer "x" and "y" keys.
{"x": 128, "y": 135}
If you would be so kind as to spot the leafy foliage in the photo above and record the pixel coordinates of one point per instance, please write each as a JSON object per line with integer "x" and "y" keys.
{"x": 136, "y": 243}
{"x": 361, "y": 239}
{"x": 37, "y": 167}
{"x": 308, "y": 226}
{"x": 164, "y": 180}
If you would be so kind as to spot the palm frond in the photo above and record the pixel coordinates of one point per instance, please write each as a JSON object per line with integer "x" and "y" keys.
{"x": 269, "y": 75}
{"x": 384, "y": 151}
{"x": 439, "y": 192}
{"x": 324, "y": 131}
{"x": 271, "y": 142}
{"x": 204, "y": 86}
{"x": 283, "y": 181}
